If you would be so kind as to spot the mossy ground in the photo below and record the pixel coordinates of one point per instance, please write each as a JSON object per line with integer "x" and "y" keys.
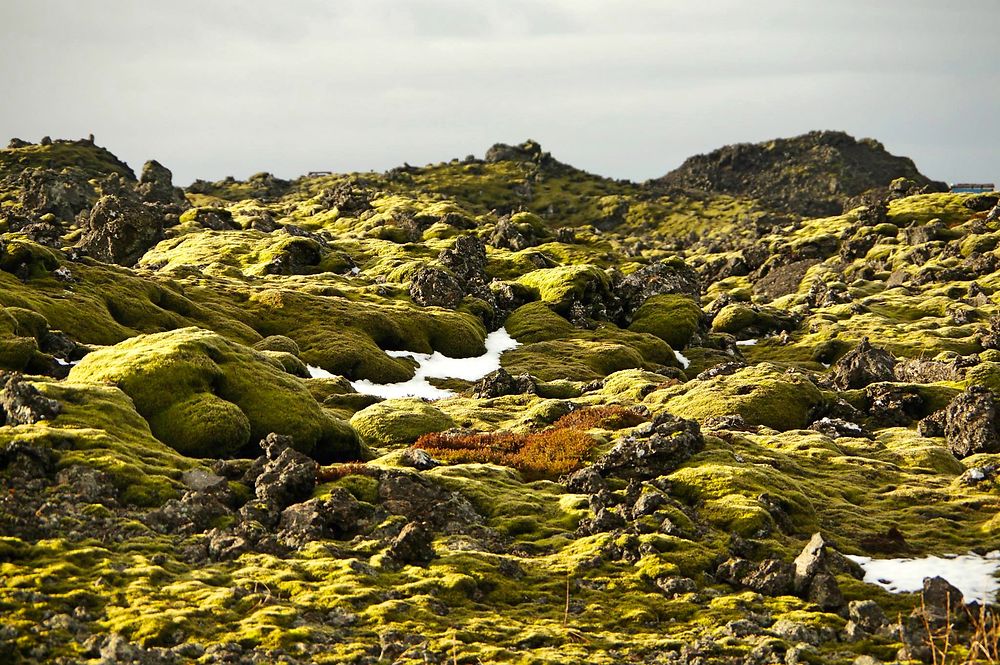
{"x": 179, "y": 376}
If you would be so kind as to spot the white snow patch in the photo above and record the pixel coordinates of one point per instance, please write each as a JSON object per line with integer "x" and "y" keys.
{"x": 681, "y": 359}
{"x": 67, "y": 363}
{"x": 973, "y": 574}
{"x": 435, "y": 366}
{"x": 355, "y": 270}
{"x": 746, "y": 342}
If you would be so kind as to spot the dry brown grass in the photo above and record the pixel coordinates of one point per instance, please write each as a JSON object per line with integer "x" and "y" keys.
{"x": 547, "y": 454}
{"x": 326, "y": 474}
{"x": 980, "y": 646}
{"x": 606, "y": 417}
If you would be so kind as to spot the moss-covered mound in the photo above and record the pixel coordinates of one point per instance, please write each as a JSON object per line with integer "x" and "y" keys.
{"x": 762, "y": 395}
{"x": 673, "y": 318}
{"x": 399, "y": 421}
{"x": 208, "y": 397}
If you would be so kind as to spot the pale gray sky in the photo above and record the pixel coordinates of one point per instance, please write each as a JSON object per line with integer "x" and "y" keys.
{"x": 624, "y": 88}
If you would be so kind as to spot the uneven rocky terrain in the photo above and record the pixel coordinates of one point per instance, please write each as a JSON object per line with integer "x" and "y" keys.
{"x": 722, "y": 384}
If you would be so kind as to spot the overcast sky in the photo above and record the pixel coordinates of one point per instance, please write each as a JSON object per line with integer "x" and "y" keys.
{"x": 624, "y": 88}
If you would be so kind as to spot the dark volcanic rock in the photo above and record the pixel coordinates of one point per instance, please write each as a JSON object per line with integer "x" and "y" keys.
{"x": 194, "y": 512}
{"x": 418, "y": 459}
{"x": 863, "y": 365}
{"x": 941, "y": 601}
{"x": 49, "y": 191}
{"x": 339, "y": 515}
{"x": 22, "y": 404}
{"x": 156, "y": 186}
{"x": 500, "y": 383}
{"x": 782, "y": 280}
{"x": 120, "y": 229}
{"x": 891, "y": 405}
{"x": 653, "y": 450}
{"x": 287, "y": 477}
{"x": 867, "y": 614}
{"x": 466, "y": 259}
{"x": 669, "y": 276}
{"x": 836, "y": 428}
{"x": 433, "y": 287}
{"x": 771, "y": 577}
{"x": 969, "y": 423}
{"x": 420, "y": 499}
{"x": 507, "y": 236}
{"x": 813, "y": 174}
{"x": 299, "y": 256}
{"x": 413, "y": 545}
{"x": 215, "y": 219}
{"x": 815, "y": 567}
{"x": 529, "y": 151}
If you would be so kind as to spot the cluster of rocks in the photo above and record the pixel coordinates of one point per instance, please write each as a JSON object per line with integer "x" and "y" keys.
{"x": 281, "y": 514}
{"x": 651, "y": 451}
{"x": 811, "y": 576}
{"x": 463, "y": 273}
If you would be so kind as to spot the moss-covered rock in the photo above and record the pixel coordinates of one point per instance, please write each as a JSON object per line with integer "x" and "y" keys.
{"x": 278, "y": 343}
{"x": 751, "y": 320}
{"x": 565, "y": 286}
{"x": 207, "y": 397}
{"x": 986, "y": 374}
{"x": 763, "y": 394}
{"x": 673, "y": 318}
{"x": 399, "y": 422}
{"x": 98, "y": 427}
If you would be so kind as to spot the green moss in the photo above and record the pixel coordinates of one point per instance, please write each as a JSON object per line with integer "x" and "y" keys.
{"x": 923, "y": 208}
{"x": 399, "y": 422}
{"x": 763, "y": 395}
{"x": 252, "y": 253}
{"x": 535, "y": 322}
{"x": 85, "y": 157}
{"x": 192, "y": 385}
{"x": 561, "y": 287}
{"x": 738, "y": 318}
{"x": 673, "y": 318}
{"x": 986, "y": 374}
{"x": 278, "y": 343}
{"x": 99, "y": 427}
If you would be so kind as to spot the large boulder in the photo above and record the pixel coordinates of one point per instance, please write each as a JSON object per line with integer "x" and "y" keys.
{"x": 156, "y": 186}
{"x": 576, "y": 292}
{"x": 674, "y": 318}
{"x": 206, "y": 396}
{"x": 652, "y": 450}
{"x": 21, "y": 403}
{"x": 466, "y": 259}
{"x": 863, "y": 365}
{"x": 120, "y": 229}
{"x": 667, "y": 276}
{"x": 969, "y": 423}
{"x": 433, "y": 287}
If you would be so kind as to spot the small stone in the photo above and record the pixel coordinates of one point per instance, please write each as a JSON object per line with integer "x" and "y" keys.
{"x": 867, "y": 614}
{"x": 413, "y": 545}
{"x": 418, "y": 459}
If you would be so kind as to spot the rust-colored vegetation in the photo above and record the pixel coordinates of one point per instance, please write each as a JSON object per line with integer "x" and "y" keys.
{"x": 546, "y": 454}
{"x": 605, "y": 417}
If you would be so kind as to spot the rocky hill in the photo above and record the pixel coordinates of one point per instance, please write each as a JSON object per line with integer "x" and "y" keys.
{"x": 815, "y": 174}
{"x": 495, "y": 410}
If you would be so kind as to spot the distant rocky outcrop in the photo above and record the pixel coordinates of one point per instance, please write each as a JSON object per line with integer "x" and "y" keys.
{"x": 812, "y": 174}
